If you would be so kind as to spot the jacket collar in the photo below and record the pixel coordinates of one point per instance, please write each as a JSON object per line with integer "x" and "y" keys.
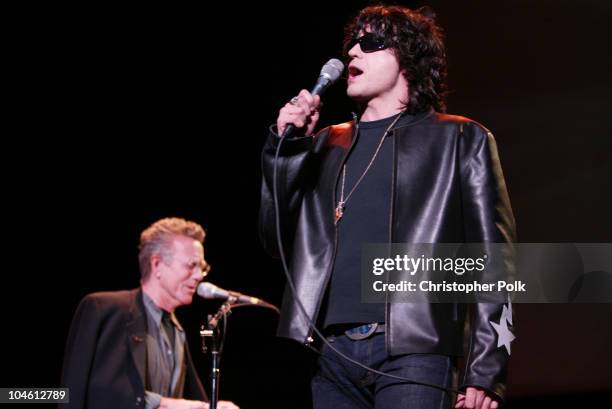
{"x": 341, "y": 135}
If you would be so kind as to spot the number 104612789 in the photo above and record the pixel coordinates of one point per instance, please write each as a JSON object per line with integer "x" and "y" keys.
{"x": 34, "y": 395}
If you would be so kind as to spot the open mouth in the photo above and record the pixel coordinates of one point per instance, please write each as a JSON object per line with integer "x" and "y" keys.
{"x": 354, "y": 72}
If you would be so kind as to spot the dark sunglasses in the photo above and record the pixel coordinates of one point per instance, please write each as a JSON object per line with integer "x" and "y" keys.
{"x": 369, "y": 42}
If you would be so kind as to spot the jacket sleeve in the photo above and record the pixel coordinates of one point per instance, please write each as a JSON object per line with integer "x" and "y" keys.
{"x": 80, "y": 351}
{"x": 292, "y": 167}
{"x": 488, "y": 218}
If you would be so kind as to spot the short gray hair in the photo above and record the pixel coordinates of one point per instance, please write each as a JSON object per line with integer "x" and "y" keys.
{"x": 157, "y": 239}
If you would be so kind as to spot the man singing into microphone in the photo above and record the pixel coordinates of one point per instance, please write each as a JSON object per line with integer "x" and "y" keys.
{"x": 127, "y": 349}
{"x": 401, "y": 172}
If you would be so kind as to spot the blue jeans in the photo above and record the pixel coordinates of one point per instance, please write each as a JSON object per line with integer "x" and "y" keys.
{"x": 339, "y": 384}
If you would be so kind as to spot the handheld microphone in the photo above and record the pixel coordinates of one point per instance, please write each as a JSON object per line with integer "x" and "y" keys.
{"x": 330, "y": 73}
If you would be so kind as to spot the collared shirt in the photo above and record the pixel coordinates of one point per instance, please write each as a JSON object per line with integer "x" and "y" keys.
{"x": 165, "y": 374}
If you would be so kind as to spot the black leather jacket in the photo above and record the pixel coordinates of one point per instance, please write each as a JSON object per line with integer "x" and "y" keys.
{"x": 447, "y": 187}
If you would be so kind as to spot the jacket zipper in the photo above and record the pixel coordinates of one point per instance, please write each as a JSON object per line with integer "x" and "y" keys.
{"x": 309, "y": 338}
{"x": 387, "y": 308}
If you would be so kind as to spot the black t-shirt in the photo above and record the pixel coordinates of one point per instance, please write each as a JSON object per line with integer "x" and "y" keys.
{"x": 365, "y": 220}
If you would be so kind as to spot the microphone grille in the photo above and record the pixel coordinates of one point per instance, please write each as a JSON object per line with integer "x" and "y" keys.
{"x": 332, "y": 69}
{"x": 208, "y": 291}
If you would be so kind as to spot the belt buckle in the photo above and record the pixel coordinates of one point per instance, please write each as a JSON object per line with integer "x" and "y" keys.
{"x": 361, "y": 332}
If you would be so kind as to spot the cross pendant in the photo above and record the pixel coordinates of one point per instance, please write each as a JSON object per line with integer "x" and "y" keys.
{"x": 339, "y": 212}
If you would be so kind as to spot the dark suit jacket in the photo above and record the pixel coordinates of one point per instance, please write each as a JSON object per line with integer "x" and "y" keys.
{"x": 105, "y": 360}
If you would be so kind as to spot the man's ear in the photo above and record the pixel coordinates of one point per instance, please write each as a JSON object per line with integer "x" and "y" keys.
{"x": 155, "y": 261}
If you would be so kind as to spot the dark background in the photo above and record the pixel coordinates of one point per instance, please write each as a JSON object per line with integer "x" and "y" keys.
{"x": 121, "y": 116}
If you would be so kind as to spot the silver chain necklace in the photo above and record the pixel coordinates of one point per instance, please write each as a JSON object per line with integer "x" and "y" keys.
{"x": 342, "y": 202}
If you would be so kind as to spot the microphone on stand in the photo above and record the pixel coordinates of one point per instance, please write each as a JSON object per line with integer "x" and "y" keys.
{"x": 210, "y": 291}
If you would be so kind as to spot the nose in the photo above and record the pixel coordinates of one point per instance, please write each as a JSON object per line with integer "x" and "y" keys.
{"x": 199, "y": 271}
{"x": 204, "y": 269}
{"x": 355, "y": 51}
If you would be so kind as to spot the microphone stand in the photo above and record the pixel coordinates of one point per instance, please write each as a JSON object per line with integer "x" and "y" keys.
{"x": 211, "y": 331}
{"x": 216, "y": 347}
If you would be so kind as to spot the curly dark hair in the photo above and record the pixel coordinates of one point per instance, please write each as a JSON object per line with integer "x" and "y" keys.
{"x": 418, "y": 45}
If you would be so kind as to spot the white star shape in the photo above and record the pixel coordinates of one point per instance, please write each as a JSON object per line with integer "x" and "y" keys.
{"x": 504, "y": 335}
